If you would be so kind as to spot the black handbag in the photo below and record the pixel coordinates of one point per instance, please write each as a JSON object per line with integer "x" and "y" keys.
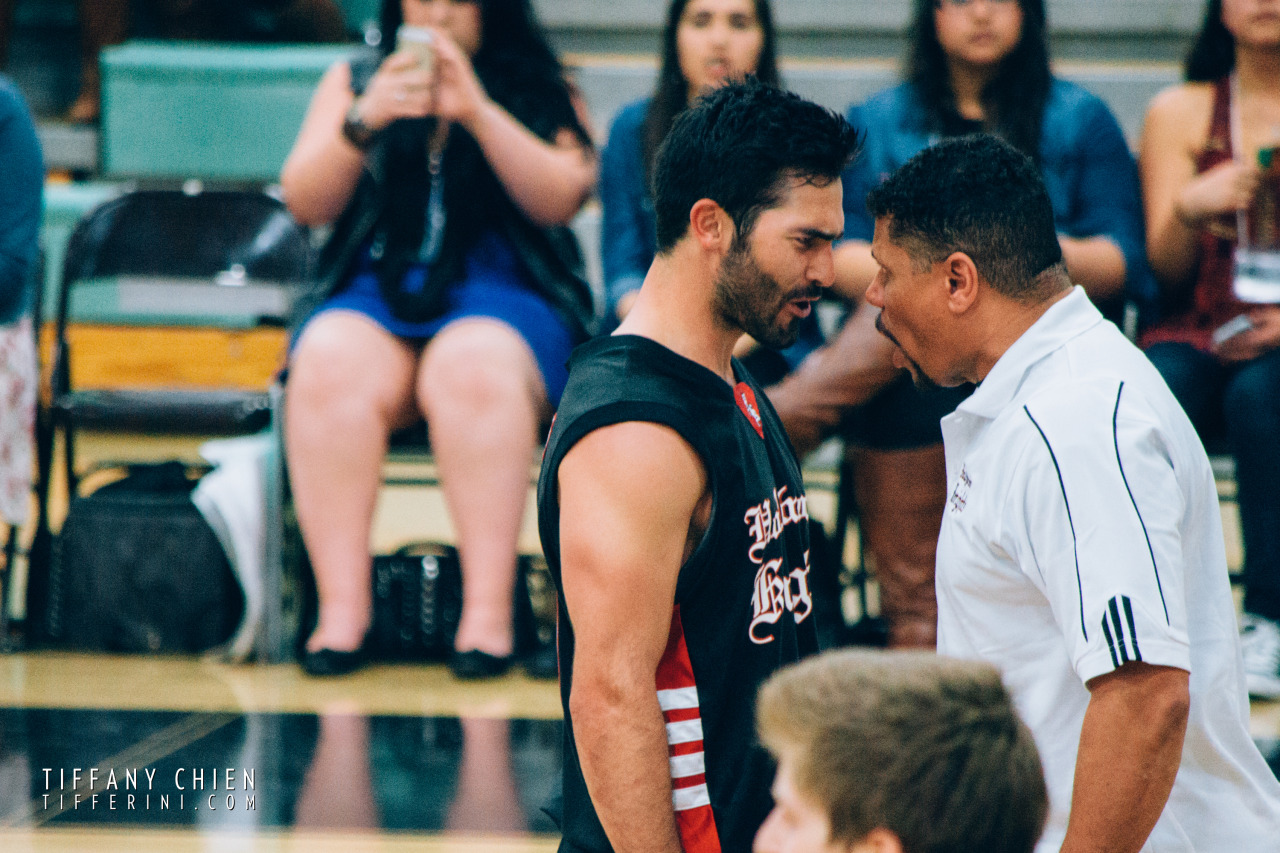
{"x": 136, "y": 568}
{"x": 417, "y": 602}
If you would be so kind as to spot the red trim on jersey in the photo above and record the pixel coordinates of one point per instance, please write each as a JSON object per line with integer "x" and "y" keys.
{"x": 697, "y": 825}
{"x": 690, "y": 782}
{"x": 676, "y": 715}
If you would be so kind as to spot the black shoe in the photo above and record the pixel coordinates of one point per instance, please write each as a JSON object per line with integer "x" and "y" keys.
{"x": 542, "y": 662}
{"x": 324, "y": 662}
{"x": 474, "y": 664}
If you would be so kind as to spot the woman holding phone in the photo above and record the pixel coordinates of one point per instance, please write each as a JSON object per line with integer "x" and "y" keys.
{"x": 1201, "y": 164}
{"x": 454, "y": 295}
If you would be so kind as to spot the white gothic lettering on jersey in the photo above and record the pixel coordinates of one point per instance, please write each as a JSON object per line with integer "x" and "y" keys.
{"x": 777, "y": 593}
{"x": 766, "y": 520}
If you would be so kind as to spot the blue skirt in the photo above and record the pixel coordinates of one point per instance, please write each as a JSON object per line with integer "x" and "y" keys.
{"x": 494, "y": 287}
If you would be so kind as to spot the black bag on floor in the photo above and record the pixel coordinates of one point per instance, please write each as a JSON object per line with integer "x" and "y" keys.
{"x": 136, "y": 568}
{"x": 417, "y": 601}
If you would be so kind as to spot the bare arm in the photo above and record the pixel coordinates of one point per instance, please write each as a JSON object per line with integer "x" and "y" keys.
{"x": 1178, "y": 202}
{"x": 1096, "y": 264}
{"x": 1130, "y": 749}
{"x": 322, "y": 170}
{"x": 854, "y": 269}
{"x": 548, "y": 181}
{"x": 622, "y": 542}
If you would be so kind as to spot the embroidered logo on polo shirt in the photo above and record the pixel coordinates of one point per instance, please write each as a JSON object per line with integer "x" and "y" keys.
{"x": 960, "y": 494}
{"x": 747, "y": 402}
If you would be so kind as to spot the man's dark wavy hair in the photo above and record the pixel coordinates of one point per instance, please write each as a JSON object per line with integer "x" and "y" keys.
{"x": 981, "y": 196}
{"x": 737, "y": 146}
{"x": 1015, "y": 98}
{"x": 1213, "y": 54}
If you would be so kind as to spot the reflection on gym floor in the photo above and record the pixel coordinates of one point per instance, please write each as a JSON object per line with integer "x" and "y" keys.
{"x": 138, "y": 754}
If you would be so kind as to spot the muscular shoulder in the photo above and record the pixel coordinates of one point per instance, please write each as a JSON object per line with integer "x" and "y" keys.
{"x": 635, "y": 479}
{"x": 641, "y": 452}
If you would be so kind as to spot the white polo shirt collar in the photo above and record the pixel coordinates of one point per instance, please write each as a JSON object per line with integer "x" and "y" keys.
{"x": 1070, "y": 316}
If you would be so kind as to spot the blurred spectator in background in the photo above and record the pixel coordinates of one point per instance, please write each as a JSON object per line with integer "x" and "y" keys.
{"x": 21, "y": 188}
{"x": 973, "y": 65}
{"x": 455, "y": 294}
{"x": 107, "y": 22}
{"x": 1202, "y": 149}
{"x": 704, "y": 43}
{"x": 894, "y": 752}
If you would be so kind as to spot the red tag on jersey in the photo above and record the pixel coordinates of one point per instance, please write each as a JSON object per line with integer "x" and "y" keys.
{"x": 747, "y": 402}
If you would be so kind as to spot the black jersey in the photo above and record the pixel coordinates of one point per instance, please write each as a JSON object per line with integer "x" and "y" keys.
{"x": 742, "y": 606}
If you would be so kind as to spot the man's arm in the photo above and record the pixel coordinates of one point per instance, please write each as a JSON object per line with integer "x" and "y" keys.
{"x": 1130, "y": 748}
{"x": 628, "y": 495}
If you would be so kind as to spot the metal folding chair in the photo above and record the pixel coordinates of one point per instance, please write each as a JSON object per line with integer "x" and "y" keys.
{"x": 177, "y": 258}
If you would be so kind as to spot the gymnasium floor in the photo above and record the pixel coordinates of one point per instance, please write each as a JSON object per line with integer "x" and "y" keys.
{"x": 213, "y": 757}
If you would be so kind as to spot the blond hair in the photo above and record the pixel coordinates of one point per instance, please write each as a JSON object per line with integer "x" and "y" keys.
{"x": 929, "y": 748}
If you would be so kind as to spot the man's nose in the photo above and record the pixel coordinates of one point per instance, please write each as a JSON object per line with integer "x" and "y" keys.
{"x": 875, "y": 292}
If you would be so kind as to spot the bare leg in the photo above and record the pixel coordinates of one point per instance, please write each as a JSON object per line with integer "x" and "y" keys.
{"x": 483, "y": 396}
{"x": 337, "y": 791}
{"x": 901, "y": 495}
{"x": 350, "y": 385}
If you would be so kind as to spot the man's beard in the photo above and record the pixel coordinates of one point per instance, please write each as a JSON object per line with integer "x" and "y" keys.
{"x": 750, "y": 299}
{"x": 918, "y": 376}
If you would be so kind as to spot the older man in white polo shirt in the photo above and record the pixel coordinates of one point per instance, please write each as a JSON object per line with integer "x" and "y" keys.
{"x": 1081, "y": 550}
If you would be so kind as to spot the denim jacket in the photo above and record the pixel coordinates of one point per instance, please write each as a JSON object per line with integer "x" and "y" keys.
{"x": 1086, "y": 165}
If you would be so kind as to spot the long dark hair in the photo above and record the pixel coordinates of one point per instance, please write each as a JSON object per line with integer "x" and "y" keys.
{"x": 1213, "y": 54}
{"x": 1014, "y": 101}
{"x": 671, "y": 95}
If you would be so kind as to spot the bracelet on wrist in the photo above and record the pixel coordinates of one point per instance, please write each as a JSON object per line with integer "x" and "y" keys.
{"x": 355, "y": 131}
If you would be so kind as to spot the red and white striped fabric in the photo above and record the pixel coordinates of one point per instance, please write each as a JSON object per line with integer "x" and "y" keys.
{"x": 678, "y": 698}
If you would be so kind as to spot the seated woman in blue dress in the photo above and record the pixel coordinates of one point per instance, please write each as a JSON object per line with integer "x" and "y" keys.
{"x": 973, "y": 65}
{"x": 455, "y": 297}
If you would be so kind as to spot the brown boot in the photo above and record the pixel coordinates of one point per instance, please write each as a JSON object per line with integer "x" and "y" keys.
{"x": 901, "y": 495}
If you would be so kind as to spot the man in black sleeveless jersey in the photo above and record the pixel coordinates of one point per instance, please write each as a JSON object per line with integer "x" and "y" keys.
{"x": 671, "y": 507}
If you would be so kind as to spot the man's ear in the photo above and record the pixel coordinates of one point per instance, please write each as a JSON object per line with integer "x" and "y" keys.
{"x": 711, "y": 226}
{"x": 878, "y": 840}
{"x": 962, "y": 282}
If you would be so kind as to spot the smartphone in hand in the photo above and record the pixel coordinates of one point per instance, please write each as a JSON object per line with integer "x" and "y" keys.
{"x": 418, "y": 41}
